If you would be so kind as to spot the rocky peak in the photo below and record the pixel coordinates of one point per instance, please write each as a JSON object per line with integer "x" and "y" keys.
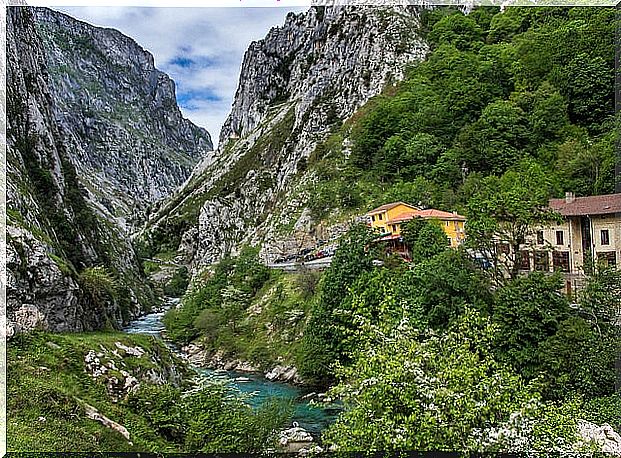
{"x": 296, "y": 85}
{"x": 345, "y": 53}
{"x": 136, "y": 147}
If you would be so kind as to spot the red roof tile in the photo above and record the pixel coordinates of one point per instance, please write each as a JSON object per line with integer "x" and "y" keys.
{"x": 429, "y": 213}
{"x": 439, "y": 214}
{"x": 592, "y": 205}
{"x": 406, "y": 216}
{"x": 387, "y": 207}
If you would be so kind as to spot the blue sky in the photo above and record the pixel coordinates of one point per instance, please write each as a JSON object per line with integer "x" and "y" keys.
{"x": 200, "y": 48}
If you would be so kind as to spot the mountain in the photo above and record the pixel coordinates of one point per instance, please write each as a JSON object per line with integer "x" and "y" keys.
{"x": 135, "y": 145}
{"x": 72, "y": 178}
{"x": 296, "y": 86}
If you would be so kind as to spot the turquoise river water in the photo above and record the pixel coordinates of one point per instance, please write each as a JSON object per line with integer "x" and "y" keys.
{"x": 310, "y": 417}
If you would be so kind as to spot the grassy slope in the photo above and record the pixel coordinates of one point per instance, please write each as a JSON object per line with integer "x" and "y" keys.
{"x": 270, "y": 329}
{"x": 48, "y": 385}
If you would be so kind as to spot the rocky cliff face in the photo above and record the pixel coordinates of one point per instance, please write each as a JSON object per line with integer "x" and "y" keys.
{"x": 71, "y": 267}
{"x": 298, "y": 83}
{"x": 135, "y": 147}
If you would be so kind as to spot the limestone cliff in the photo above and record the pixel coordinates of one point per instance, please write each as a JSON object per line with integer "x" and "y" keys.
{"x": 70, "y": 263}
{"x": 296, "y": 84}
{"x": 135, "y": 147}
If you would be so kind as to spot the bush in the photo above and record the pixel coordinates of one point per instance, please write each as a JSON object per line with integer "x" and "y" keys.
{"x": 210, "y": 419}
{"x": 178, "y": 284}
{"x": 99, "y": 285}
{"x": 308, "y": 283}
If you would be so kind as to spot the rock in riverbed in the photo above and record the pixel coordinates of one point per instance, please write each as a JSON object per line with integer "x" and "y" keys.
{"x": 283, "y": 374}
{"x": 294, "y": 439}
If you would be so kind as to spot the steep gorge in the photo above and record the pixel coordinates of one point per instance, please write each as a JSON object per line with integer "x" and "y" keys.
{"x": 135, "y": 147}
{"x": 73, "y": 179}
{"x": 296, "y": 85}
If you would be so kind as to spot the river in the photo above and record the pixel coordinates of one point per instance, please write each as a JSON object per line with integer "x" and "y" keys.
{"x": 312, "y": 418}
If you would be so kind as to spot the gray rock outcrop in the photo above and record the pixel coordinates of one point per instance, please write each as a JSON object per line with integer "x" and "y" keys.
{"x": 135, "y": 147}
{"x": 603, "y": 438}
{"x": 296, "y": 86}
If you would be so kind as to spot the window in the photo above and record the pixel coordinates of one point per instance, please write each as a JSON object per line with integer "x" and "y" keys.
{"x": 608, "y": 257}
{"x": 379, "y": 216}
{"x": 539, "y": 237}
{"x": 605, "y": 237}
{"x": 447, "y": 224}
{"x": 524, "y": 260}
{"x": 560, "y": 238}
{"x": 541, "y": 261}
{"x": 373, "y": 218}
{"x": 560, "y": 260}
{"x": 394, "y": 228}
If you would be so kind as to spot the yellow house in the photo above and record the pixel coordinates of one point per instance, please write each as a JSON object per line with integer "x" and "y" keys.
{"x": 381, "y": 216}
{"x": 389, "y": 218}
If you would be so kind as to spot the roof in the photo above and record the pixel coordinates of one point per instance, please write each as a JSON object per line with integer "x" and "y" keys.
{"x": 592, "y": 205}
{"x": 406, "y": 216}
{"x": 427, "y": 214}
{"x": 387, "y": 207}
{"x": 439, "y": 214}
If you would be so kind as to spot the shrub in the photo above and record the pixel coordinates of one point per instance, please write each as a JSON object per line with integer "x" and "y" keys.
{"x": 178, "y": 284}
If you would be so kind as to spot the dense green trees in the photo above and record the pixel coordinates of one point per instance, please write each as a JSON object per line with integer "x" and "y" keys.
{"x": 498, "y": 88}
{"x": 437, "y": 358}
{"x": 219, "y": 298}
{"x": 326, "y": 330}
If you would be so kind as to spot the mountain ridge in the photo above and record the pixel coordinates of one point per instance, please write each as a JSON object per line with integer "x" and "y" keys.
{"x": 296, "y": 84}
{"x": 71, "y": 263}
{"x": 137, "y": 146}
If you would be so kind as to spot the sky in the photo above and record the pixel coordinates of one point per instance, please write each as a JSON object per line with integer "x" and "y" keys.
{"x": 200, "y": 48}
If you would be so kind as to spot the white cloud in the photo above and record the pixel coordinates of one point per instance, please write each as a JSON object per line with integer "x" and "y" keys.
{"x": 200, "y": 48}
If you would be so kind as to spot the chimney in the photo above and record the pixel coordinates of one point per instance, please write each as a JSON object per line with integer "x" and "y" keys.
{"x": 569, "y": 197}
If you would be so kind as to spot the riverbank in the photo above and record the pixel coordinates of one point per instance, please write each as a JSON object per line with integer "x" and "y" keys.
{"x": 68, "y": 392}
{"x": 243, "y": 316}
{"x": 118, "y": 392}
{"x": 312, "y": 410}
{"x": 203, "y": 358}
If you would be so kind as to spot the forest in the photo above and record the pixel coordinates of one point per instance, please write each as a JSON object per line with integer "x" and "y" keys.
{"x": 508, "y": 110}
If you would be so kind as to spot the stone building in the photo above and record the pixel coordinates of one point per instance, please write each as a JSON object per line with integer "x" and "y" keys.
{"x": 590, "y": 231}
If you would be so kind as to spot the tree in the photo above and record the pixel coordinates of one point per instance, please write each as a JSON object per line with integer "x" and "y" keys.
{"x": 497, "y": 140}
{"x": 420, "y": 154}
{"x": 322, "y": 344}
{"x": 528, "y": 310}
{"x": 587, "y": 167}
{"x": 443, "y": 286}
{"x": 459, "y": 30}
{"x": 589, "y": 90}
{"x": 578, "y": 361}
{"x": 600, "y": 300}
{"x": 424, "y": 238}
{"x": 509, "y": 209}
{"x": 420, "y": 391}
